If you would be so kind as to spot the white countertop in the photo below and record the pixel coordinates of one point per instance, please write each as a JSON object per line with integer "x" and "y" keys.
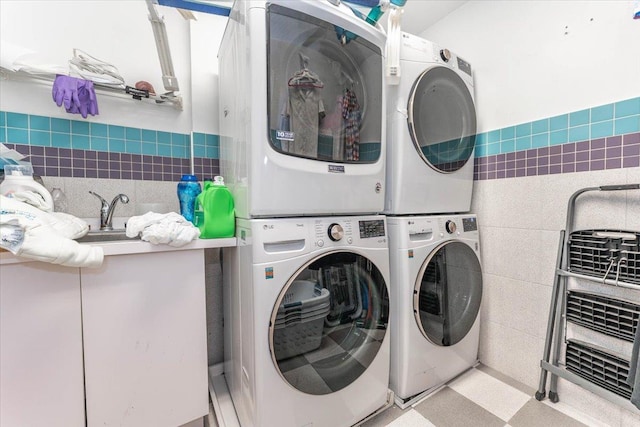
{"x": 120, "y": 247}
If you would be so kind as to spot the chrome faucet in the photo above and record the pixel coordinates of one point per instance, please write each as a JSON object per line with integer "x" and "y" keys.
{"x": 106, "y": 210}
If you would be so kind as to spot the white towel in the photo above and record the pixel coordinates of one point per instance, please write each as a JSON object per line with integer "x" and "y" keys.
{"x": 28, "y": 235}
{"x": 170, "y": 229}
{"x": 34, "y": 199}
{"x": 63, "y": 223}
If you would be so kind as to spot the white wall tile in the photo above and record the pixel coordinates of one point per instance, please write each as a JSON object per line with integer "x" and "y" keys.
{"x": 592, "y": 208}
{"x": 514, "y": 202}
{"x": 633, "y": 201}
{"x": 511, "y": 352}
{"x": 84, "y": 205}
{"x": 163, "y": 192}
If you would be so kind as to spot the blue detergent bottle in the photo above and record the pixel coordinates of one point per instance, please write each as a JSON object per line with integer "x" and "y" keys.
{"x": 218, "y": 211}
{"x": 188, "y": 190}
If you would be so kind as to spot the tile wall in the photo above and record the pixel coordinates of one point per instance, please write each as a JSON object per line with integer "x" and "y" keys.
{"x": 593, "y": 139}
{"x": 80, "y": 149}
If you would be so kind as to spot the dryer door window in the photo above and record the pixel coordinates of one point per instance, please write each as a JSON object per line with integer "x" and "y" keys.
{"x": 329, "y": 322}
{"x": 448, "y": 293}
{"x": 324, "y": 96}
{"x": 442, "y": 119}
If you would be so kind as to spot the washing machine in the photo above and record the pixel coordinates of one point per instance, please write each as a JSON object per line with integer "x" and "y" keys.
{"x": 302, "y": 109}
{"x": 432, "y": 132}
{"x": 436, "y": 291}
{"x": 305, "y": 320}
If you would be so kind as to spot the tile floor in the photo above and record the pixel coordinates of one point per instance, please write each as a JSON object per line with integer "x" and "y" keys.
{"x": 482, "y": 397}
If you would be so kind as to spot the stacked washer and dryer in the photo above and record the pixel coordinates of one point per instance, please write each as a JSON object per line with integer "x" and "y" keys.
{"x": 436, "y": 277}
{"x": 306, "y": 298}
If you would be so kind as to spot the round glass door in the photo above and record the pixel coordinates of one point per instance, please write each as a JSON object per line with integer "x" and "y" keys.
{"x": 448, "y": 293}
{"x": 329, "y": 322}
{"x": 442, "y": 119}
{"x": 324, "y": 97}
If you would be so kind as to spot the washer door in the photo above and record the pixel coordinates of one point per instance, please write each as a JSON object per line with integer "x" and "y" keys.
{"x": 442, "y": 119}
{"x": 448, "y": 293}
{"x": 328, "y": 322}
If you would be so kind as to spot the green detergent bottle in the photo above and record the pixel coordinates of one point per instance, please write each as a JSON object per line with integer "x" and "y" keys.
{"x": 216, "y": 216}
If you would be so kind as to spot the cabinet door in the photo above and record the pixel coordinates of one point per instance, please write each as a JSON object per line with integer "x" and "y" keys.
{"x": 145, "y": 341}
{"x": 41, "y": 383}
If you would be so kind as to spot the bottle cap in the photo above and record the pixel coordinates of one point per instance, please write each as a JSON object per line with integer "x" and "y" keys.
{"x": 189, "y": 178}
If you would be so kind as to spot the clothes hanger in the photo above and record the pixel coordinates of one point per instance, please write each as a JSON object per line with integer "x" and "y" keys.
{"x": 305, "y": 77}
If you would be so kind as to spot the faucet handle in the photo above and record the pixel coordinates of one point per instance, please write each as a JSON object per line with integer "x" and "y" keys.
{"x": 104, "y": 202}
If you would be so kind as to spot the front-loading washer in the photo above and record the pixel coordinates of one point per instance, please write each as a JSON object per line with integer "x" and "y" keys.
{"x": 432, "y": 132}
{"x": 436, "y": 293}
{"x": 306, "y": 308}
{"x": 302, "y": 109}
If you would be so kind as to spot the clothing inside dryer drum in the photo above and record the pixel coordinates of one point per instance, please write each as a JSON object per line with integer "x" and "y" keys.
{"x": 450, "y": 292}
{"x": 442, "y": 119}
{"x": 324, "y": 97}
{"x": 329, "y": 323}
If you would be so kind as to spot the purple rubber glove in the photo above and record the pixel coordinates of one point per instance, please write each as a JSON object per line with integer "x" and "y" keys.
{"x": 65, "y": 91}
{"x": 77, "y": 95}
{"x": 87, "y": 102}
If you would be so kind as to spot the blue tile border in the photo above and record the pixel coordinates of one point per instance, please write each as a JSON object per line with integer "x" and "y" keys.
{"x": 613, "y": 152}
{"x": 48, "y": 141}
{"x": 602, "y": 137}
{"x": 602, "y": 121}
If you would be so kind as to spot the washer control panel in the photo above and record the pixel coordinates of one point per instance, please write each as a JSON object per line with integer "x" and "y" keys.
{"x": 335, "y": 231}
{"x": 368, "y": 231}
{"x": 371, "y": 228}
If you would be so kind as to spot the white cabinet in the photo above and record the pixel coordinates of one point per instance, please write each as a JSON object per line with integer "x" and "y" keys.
{"x": 145, "y": 344}
{"x": 41, "y": 377}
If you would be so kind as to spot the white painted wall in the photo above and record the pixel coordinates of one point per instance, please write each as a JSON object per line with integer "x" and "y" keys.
{"x": 535, "y": 59}
{"x": 527, "y": 68}
{"x": 115, "y": 31}
{"x": 206, "y": 35}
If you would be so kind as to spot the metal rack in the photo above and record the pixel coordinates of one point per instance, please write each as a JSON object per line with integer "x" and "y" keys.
{"x": 170, "y": 82}
{"x": 169, "y": 99}
{"x": 608, "y": 257}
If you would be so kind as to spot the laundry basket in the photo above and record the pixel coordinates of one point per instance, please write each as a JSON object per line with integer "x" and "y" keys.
{"x": 300, "y": 319}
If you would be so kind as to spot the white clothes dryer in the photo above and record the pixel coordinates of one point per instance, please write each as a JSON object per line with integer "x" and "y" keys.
{"x": 306, "y": 310}
{"x": 436, "y": 291}
{"x": 432, "y": 132}
{"x": 302, "y": 109}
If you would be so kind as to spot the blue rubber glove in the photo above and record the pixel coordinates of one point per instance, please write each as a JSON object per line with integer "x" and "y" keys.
{"x": 65, "y": 91}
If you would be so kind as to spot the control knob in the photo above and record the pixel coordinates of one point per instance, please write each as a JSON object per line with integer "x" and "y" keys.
{"x": 336, "y": 232}
{"x": 450, "y": 226}
{"x": 445, "y": 55}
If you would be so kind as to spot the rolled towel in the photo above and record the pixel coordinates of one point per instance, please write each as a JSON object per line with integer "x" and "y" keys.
{"x": 171, "y": 229}
{"x": 34, "y": 199}
{"x": 64, "y": 224}
{"x": 28, "y": 236}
